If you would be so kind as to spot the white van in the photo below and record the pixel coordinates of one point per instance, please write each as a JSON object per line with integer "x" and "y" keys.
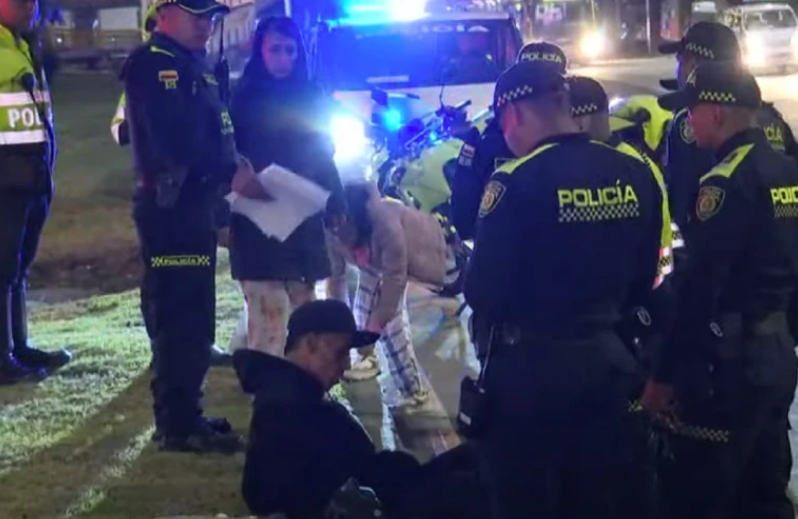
{"x": 767, "y": 34}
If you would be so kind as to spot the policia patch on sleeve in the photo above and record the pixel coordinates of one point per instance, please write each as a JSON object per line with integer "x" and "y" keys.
{"x": 493, "y": 194}
{"x": 710, "y": 200}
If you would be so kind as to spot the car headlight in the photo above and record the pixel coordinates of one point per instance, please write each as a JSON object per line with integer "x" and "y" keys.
{"x": 349, "y": 137}
{"x": 592, "y": 45}
{"x": 754, "y": 51}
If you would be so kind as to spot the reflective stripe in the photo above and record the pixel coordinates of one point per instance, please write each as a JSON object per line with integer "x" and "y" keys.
{"x": 115, "y": 130}
{"x": 24, "y": 98}
{"x": 23, "y": 137}
{"x": 678, "y": 241}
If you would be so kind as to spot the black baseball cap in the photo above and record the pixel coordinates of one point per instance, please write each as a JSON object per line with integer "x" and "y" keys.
{"x": 327, "y": 316}
{"x": 197, "y": 7}
{"x": 587, "y": 96}
{"x": 719, "y": 82}
{"x": 527, "y": 80}
{"x": 544, "y": 52}
{"x": 706, "y": 40}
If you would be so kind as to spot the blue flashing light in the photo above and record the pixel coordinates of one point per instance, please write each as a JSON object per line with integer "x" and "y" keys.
{"x": 393, "y": 120}
{"x": 393, "y": 10}
{"x": 433, "y": 136}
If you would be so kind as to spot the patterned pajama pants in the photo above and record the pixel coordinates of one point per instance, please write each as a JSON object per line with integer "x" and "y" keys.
{"x": 395, "y": 347}
{"x": 268, "y": 306}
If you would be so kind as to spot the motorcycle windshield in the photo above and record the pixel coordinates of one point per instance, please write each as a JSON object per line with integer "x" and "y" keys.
{"x": 415, "y": 54}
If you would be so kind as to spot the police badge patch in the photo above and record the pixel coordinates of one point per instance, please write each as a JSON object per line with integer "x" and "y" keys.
{"x": 710, "y": 200}
{"x": 466, "y": 157}
{"x": 493, "y": 194}
{"x": 686, "y": 131}
{"x": 168, "y": 78}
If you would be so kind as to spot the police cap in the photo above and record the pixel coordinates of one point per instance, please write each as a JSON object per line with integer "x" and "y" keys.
{"x": 196, "y": 7}
{"x": 544, "y": 52}
{"x": 527, "y": 80}
{"x": 724, "y": 83}
{"x": 706, "y": 40}
{"x": 587, "y": 96}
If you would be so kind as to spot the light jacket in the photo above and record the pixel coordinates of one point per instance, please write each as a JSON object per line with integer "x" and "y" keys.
{"x": 405, "y": 244}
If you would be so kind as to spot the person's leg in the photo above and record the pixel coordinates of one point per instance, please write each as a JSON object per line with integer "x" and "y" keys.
{"x": 38, "y": 211}
{"x": 300, "y": 292}
{"x": 396, "y": 345}
{"x": 179, "y": 250}
{"x": 268, "y": 310}
{"x": 365, "y": 365}
{"x": 14, "y": 207}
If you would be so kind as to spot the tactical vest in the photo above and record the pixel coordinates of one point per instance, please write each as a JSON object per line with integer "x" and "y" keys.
{"x": 24, "y": 95}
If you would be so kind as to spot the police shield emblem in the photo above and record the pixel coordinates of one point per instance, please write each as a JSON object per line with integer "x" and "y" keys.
{"x": 493, "y": 194}
{"x": 710, "y": 200}
{"x": 686, "y": 131}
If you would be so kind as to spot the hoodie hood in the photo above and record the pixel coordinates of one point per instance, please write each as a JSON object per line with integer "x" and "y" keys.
{"x": 279, "y": 379}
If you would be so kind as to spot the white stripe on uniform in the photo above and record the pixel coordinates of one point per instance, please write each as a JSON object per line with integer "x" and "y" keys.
{"x": 23, "y": 137}
{"x": 23, "y": 98}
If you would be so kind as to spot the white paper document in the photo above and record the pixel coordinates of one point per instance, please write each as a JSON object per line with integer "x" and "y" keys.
{"x": 295, "y": 199}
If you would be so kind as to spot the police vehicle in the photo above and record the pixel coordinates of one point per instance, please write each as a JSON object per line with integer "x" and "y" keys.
{"x": 422, "y": 56}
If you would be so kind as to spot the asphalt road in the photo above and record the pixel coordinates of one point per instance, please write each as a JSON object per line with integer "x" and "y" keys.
{"x": 441, "y": 339}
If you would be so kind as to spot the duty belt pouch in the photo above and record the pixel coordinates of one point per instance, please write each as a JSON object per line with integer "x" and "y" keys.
{"x": 472, "y": 413}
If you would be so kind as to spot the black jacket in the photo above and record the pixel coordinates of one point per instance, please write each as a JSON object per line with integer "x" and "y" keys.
{"x": 285, "y": 123}
{"x": 742, "y": 238}
{"x": 304, "y": 446}
{"x": 180, "y": 131}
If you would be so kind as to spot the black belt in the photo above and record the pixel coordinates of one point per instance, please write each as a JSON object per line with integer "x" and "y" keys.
{"x": 511, "y": 335}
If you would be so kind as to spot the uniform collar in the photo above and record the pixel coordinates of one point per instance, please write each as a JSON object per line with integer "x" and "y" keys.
{"x": 8, "y": 35}
{"x": 749, "y": 136}
{"x": 162, "y": 40}
{"x": 562, "y": 139}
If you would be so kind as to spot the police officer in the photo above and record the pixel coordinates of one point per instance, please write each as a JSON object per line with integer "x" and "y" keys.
{"x": 481, "y": 155}
{"x": 183, "y": 147}
{"x": 120, "y": 133}
{"x": 685, "y": 163}
{"x": 733, "y": 380}
{"x": 565, "y": 233}
{"x": 590, "y": 109}
{"x": 639, "y": 121}
{"x": 27, "y": 156}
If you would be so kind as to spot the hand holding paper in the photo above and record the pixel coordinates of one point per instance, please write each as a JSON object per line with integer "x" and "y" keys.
{"x": 293, "y": 199}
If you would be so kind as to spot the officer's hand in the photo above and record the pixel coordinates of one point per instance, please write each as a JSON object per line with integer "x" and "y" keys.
{"x": 658, "y": 399}
{"x": 223, "y": 237}
{"x": 246, "y": 183}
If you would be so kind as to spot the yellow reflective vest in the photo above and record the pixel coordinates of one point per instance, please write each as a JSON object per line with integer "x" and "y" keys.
{"x": 24, "y": 98}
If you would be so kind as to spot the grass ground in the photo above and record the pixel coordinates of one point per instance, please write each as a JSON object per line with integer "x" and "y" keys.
{"x": 77, "y": 444}
{"x": 89, "y": 240}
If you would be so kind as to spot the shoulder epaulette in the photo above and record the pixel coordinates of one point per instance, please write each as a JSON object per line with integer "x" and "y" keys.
{"x": 509, "y": 168}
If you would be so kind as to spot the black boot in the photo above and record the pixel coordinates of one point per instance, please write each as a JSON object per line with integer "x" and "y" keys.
{"x": 219, "y": 357}
{"x": 24, "y": 352}
{"x": 11, "y": 371}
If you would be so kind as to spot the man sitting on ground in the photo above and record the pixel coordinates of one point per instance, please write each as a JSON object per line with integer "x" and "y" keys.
{"x": 303, "y": 446}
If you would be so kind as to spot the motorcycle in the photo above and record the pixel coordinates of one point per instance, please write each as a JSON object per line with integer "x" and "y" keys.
{"x": 415, "y": 163}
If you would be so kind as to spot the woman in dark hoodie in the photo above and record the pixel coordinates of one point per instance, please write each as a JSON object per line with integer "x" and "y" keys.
{"x": 280, "y": 117}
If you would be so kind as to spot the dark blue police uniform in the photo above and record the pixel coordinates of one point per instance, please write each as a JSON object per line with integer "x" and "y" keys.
{"x": 184, "y": 151}
{"x": 481, "y": 155}
{"x": 685, "y": 163}
{"x": 565, "y": 234}
{"x": 730, "y": 357}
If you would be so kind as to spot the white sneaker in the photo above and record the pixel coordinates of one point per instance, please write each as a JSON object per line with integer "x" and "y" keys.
{"x": 410, "y": 403}
{"x": 366, "y": 368}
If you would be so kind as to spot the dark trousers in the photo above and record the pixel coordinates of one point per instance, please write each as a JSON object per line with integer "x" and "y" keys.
{"x": 744, "y": 473}
{"x": 557, "y": 415}
{"x": 178, "y": 301}
{"x": 22, "y": 218}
